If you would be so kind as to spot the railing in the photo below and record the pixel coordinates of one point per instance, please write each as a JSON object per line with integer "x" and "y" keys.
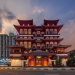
{"x": 15, "y": 55}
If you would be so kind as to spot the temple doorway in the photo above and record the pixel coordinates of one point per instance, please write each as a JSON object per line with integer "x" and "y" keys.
{"x": 38, "y": 61}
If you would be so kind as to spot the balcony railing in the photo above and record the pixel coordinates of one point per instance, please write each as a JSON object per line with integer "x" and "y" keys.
{"x": 15, "y": 55}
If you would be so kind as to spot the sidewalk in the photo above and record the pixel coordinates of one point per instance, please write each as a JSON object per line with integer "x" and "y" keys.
{"x": 39, "y": 68}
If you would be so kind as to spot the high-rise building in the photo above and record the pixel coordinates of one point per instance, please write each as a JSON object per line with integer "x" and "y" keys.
{"x": 3, "y": 44}
{"x": 6, "y": 40}
{"x": 38, "y": 45}
{"x": 11, "y": 41}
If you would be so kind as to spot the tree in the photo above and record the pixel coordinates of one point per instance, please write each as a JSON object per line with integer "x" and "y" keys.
{"x": 58, "y": 62}
{"x": 71, "y": 60}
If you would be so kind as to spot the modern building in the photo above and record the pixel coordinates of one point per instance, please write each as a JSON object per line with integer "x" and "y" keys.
{"x": 38, "y": 45}
{"x": 6, "y": 40}
{"x": 3, "y": 44}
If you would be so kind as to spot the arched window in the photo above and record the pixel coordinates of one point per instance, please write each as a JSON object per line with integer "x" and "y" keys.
{"x": 21, "y": 31}
{"x": 34, "y": 45}
{"x": 55, "y": 43}
{"x": 25, "y": 44}
{"x": 21, "y": 37}
{"x": 51, "y": 37}
{"x": 47, "y": 31}
{"x": 55, "y": 31}
{"x": 51, "y": 43}
{"x": 47, "y": 37}
{"x": 29, "y": 37}
{"x": 25, "y": 31}
{"x": 29, "y": 44}
{"x": 47, "y": 44}
{"x": 51, "y": 31}
{"x": 29, "y": 31}
{"x": 25, "y": 37}
{"x": 21, "y": 43}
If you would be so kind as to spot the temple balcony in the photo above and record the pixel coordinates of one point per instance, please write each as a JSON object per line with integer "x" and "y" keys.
{"x": 52, "y": 35}
{"x": 62, "y": 54}
{"x": 54, "y": 39}
{"x": 25, "y": 35}
{"x": 15, "y": 55}
{"x": 23, "y": 39}
{"x": 38, "y": 36}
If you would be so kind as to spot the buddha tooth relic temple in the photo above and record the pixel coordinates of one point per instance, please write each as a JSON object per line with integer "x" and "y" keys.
{"x": 38, "y": 45}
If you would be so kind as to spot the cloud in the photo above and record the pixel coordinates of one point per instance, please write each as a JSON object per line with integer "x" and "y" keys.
{"x": 5, "y": 16}
{"x": 38, "y": 10}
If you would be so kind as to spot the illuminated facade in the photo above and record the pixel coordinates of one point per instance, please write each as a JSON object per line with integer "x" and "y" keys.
{"x": 37, "y": 45}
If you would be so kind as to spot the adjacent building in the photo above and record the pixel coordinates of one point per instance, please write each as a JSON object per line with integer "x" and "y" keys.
{"x": 6, "y": 40}
{"x": 38, "y": 45}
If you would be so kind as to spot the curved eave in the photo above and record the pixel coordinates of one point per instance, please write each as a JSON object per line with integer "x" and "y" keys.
{"x": 10, "y": 47}
{"x": 62, "y": 46}
{"x": 21, "y": 22}
{"x": 50, "y": 21}
{"x": 59, "y": 27}
{"x": 23, "y": 39}
{"x": 24, "y": 26}
{"x": 16, "y": 27}
{"x": 41, "y": 53}
{"x": 59, "y": 39}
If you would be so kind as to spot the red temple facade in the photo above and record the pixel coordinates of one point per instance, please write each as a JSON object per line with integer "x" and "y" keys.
{"x": 38, "y": 45}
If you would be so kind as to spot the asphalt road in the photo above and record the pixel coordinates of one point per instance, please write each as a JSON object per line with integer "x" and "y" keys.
{"x": 45, "y": 72}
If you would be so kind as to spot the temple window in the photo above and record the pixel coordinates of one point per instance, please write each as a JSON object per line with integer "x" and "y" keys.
{"x": 38, "y": 45}
{"x": 47, "y": 31}
{"x": 38, "y": 33}
{"x": 51, "y": 43}
{"x": 42, "y": 45}
{"x": 17, "y": 43}
{"x": 21, "y": 31}
{"x": 29, "y": 44}
{"x": 55, "y": 31}
{"x": 25, "y": 44}
{"x": 25, "y": 31}
{"x": 51, "y": 37}
{"x": 42, "y": 33}
{"x": 29, "y": 31}
{"x": 30, "y": 51}
{"x": 52, "y": 24}
{"x": 21, "y": 37}
{"x": 55, "y": 43}
{"x": 47, "y": 44}
{"x": 25, "y": 37}
{"x": 29, "y": 37}
{"x": 34, "y": 45}
{"x": 21, "y": 43}
{"x": 47, "y": 37}
{"x": 55, "y": 37}
{"x": 25, "y": 52}
{"x": 51, "y": 31}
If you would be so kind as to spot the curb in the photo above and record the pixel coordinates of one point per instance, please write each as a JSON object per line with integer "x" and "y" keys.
{"x": 21, "y": 68}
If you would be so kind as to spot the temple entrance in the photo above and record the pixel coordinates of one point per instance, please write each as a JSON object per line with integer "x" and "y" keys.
{"x": 38, "y": 61}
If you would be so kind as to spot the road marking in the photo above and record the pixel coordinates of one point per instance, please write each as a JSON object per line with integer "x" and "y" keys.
{"x": 52, "y": 74}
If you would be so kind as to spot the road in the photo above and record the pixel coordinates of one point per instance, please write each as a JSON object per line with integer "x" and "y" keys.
{"x": 38, "y": 72}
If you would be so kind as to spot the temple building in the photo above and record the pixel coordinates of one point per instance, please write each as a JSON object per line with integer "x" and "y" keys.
{"x": 38, "y": 45}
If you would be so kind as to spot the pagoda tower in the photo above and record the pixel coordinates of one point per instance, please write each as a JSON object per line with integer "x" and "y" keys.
{"x": 38, "y": 45}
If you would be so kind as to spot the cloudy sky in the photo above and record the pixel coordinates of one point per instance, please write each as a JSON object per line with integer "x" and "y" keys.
{"x": 11, "y": 10}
